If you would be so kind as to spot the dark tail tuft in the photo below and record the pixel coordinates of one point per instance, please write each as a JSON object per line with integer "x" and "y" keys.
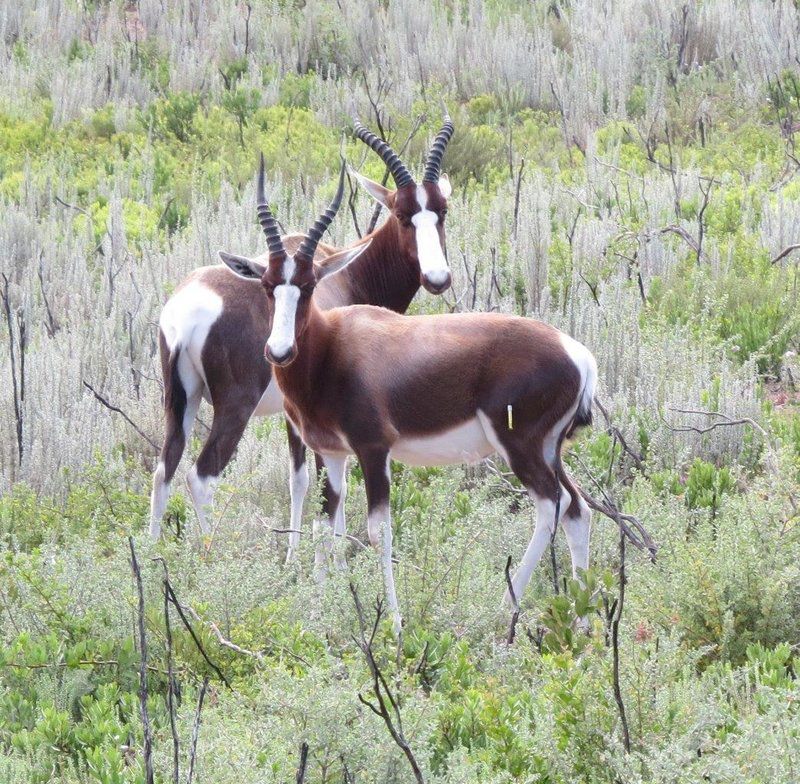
{"x": 583, "y": 418}
{"x": 174, "y": 407}
{"x": 174, "y": 393}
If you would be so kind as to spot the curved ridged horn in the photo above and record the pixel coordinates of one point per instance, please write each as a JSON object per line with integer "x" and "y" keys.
{"x": 433, "y": 164}
{"x": 309, "y": 244}
{"x": 265, "y": 217}
{"x": 400, "y": 174}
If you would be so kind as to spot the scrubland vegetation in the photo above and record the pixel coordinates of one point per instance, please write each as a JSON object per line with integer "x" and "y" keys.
{"x": 626, "y": 170}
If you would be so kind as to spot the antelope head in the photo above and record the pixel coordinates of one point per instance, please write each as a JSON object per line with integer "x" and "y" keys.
{"x": 290, "y": 280}
{"x": 419, "y": 209}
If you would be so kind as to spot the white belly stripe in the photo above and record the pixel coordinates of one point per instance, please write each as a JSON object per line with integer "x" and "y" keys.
{"x": 465, "y": 443}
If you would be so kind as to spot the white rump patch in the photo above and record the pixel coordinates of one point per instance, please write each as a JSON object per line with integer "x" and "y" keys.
{"x": 583, "y": 359}
{"x": 587, "y": 367}
{"x": 281, "y": 339}
{"x": 185, "y": 321}
{"x": 465, "y": 443}
{"x": 432, "y": 263}
{"x": 189, "y": 313}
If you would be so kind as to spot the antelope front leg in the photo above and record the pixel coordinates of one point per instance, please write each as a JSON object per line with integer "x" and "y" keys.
{"x": 298, "y": 487}
{"x": 377, "y": 478}
{"x": 334, "y": 493}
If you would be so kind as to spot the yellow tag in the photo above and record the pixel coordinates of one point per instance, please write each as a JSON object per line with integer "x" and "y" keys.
{"x": 510, "y": 417}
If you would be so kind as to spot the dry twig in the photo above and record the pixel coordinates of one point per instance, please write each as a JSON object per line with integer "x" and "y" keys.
{"x": 301, "y": 768}
{"x": 148, "y": 734}
{"x": 512, "y": 628}
{"x": 117, "y": 410}
{"x": 196, "y": 730}
{"x": 386, "y": 705}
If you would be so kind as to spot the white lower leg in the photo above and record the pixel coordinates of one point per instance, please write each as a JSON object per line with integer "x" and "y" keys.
{"x": 381, "y": 519}
{"x": 542, "y": 534}
{"x": 577, "y": 530}
{"x": 337, "y": 478}
{"x": 158, "y": 500}
{"x": 201, "y": 488}
{"x": 326, "y": 534}
{"x": 298, "y": 487}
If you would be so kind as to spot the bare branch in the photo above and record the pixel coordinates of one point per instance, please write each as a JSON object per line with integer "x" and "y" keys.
{"x": 512, "y": 628}
{"x": 117, "y": 410}
{"x": 785, "y": 252}
{"x": 51, "y": 324}
{"x": 615, "y": 431}
{"x": 626, "y": 738}
{"x": 179, "y": 608}
{"x": 301, "y": 769}
{"x": 17, "y": 382}
{"x": 148, "y": 734}
{"x": 380, "y": 688}
{"x": 196, "y": 730}
{"x": 73, "y": 207}
{"x": 171, "y": 685}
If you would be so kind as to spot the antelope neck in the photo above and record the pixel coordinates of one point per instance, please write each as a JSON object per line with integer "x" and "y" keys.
{"x": 383, "y": 273}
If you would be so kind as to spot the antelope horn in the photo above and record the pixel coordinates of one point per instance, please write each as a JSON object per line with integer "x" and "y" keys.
{"x": 400, "y": 174}
{"x": 433, "y": 164}
{"x": 309, "y": 244}
{"x": 266, "y": 218}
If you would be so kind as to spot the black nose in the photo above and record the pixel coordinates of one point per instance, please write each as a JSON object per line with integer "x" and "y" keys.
{"x": 279, "y": 359}
{"x": 438, "y": 286}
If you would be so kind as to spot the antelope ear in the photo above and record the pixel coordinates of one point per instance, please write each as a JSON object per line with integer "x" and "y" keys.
{"x": 242, "y": 266}
{"x": 445, "y": 188}
{"x": 375, "y": 189}
{"x": 338, "y": 261}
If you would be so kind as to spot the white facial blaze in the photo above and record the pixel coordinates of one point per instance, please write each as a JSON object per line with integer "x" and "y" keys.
{"x": 281, "y": 339}
{"x": 432, "y": 262}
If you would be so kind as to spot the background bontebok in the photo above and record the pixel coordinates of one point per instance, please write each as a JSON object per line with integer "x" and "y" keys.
{"x": 624, "y": 171}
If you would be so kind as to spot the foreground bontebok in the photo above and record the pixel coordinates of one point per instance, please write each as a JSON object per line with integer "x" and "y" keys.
{"x": 213, "y": 330}
{"x": 425, "y": 390}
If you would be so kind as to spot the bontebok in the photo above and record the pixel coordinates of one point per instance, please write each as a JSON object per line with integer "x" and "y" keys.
{"x": 213, "y": 330}
{"x": 425, "y": 390}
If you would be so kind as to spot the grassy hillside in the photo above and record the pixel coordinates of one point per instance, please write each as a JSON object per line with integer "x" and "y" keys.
{"x": 627, "y": 171}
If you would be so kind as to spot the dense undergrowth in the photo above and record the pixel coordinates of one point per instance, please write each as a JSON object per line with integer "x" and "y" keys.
{"x": 628, "y": 174}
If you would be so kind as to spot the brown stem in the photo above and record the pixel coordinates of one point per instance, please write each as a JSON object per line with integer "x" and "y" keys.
{"x": 512, "y": 628}
{"x": 17, "y": 385}
{"x": 301, "y": 768}
{"x": 171, "y": 685}
{"x": 196, "y": 730}
{"x": 386, "y": 705}
{"x": 626, "y": 738}
{"x": 148, "y": 734}
{"x": 117, "y": 410}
